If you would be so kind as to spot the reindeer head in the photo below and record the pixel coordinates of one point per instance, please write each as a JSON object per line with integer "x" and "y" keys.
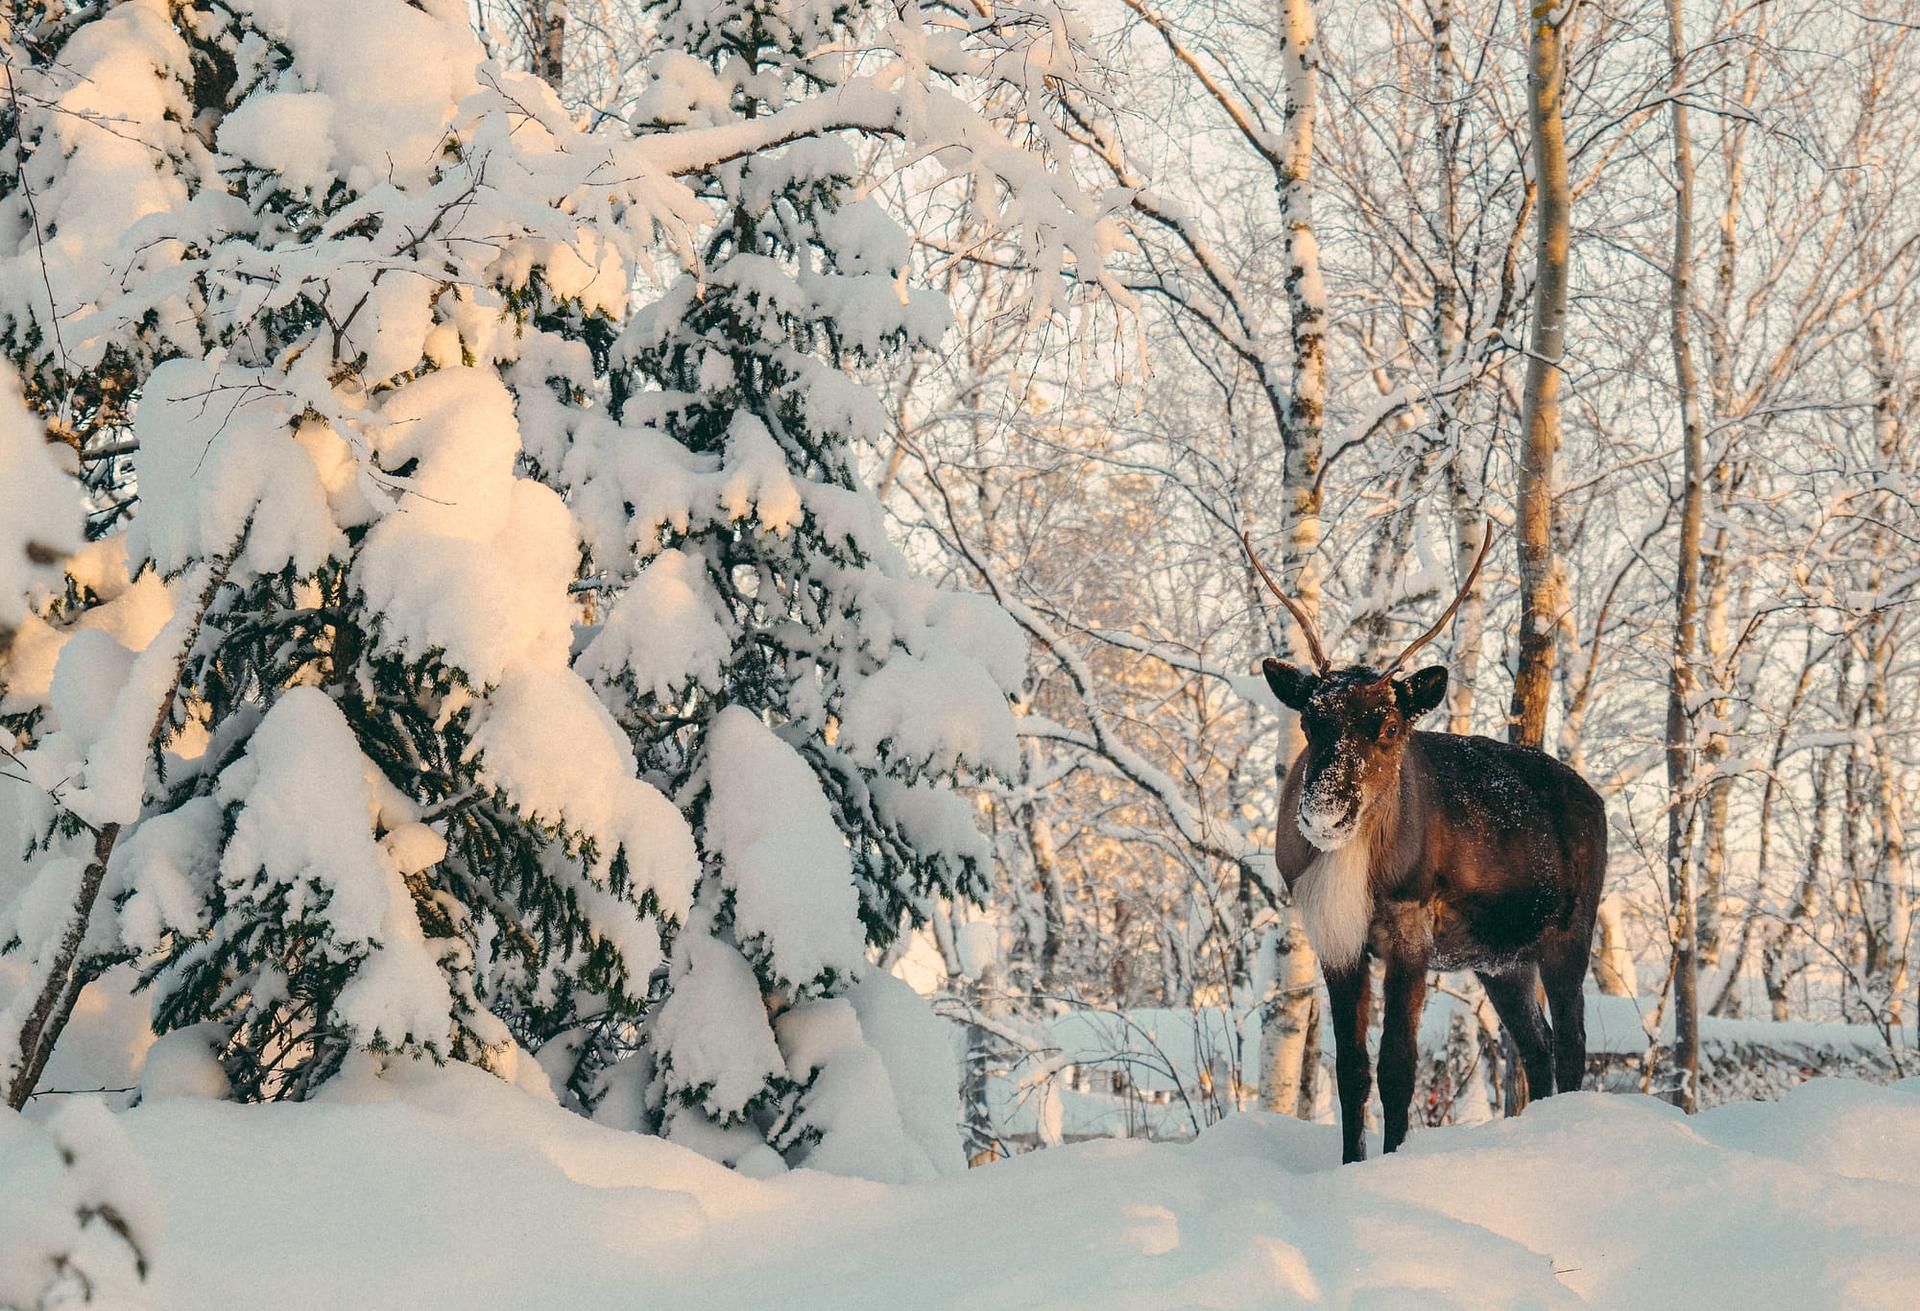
{"x": 1356, "y": 722}
{"x": 1356, "y": 719}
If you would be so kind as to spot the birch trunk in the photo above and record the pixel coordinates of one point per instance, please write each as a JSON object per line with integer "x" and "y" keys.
{"x": 1853, "y": 901}
{"x": 1717, "y": 566}
{"x": 985, "y": 997}
{"x": 1893, "y": 899}
{"x": 1470, "y": 624}
{"x": 1541, "y": 588}
{"x": 1613, "y": 971}
{"x": 1774, "y": 958}
{"x": 553, "y": 41}
{"x": 1682, "y": 681}
{"x": 1731, "y": 1002}
{"x": 1710, "y": 903}
{"x": 1288, "y": 1063}
{"x": 1449, "y": 339}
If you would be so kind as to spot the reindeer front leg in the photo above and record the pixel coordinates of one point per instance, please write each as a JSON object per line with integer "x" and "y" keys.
{"x": 1350, "y": 999}
{"x": 1406, "y": 993}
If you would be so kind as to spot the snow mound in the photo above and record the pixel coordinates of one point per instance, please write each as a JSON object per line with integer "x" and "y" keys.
{"x": 448, "y": 1188}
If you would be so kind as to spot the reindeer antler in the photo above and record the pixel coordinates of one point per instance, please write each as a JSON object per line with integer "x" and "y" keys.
{"x": 1307, "y": 629}
{"x": 1440, "y": 625}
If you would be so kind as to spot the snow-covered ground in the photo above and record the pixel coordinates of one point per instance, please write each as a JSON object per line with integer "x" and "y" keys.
{"x": 431, "y": 1188}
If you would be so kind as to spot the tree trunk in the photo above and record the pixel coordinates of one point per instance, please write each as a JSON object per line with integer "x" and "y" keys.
{"x": 1682, "y": 680}
{"x": 1731, "y": 1002}
{"x": 985, "y": 997}
{"x": 1893, "y": 899}
{"x": 1710, "y": 903}
{"x": 1289, "y": 1054}
{"x": 1718, "y": 565}
{"x": 1541, "y": 588}
{"x": 61, "y": 981}
{"x": 1613, "y": 971}
{"x": 1449, "y": 331}
{"x": 68, "y": 971}
{"x": 1470, "y": 623}
{"x": 552, "y": 33}
{"x": 1774, "y": 958}
{"x": 1310, "y": 1066}
{"x": 1289, "y": 1014}
{"x": 1861, "y": 948}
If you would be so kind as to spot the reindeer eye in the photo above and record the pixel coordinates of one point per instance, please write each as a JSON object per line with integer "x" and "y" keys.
{"x": 1392, "y": 729}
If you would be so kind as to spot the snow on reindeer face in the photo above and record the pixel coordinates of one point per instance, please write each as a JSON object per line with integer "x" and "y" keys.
{"x": 1356, "y": 725}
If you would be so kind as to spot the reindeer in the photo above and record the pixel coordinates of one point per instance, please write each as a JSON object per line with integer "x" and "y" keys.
{"x": 1432, "y": 851}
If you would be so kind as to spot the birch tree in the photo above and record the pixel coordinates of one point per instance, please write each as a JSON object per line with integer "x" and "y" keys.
{"x": 1683, "y": 683}
{"x": 1542, "y": 587}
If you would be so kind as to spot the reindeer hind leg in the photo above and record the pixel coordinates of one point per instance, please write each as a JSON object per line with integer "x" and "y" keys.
{"x": 1516, "y": 1000}
{"x": 1566, "y": 955}
{"x": 1563, "y": 967}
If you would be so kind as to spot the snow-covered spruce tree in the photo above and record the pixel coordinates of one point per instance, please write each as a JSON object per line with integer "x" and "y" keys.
{"x": 307, "y": 726}
{"x": 809, "y": 703}
{"x": 343, "y": 791}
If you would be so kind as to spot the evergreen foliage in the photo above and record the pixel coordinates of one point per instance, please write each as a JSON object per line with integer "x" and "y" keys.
{"x": 466, "y": 664}
{"x": 350, "y": 835}
{"x": 772, "y": 570}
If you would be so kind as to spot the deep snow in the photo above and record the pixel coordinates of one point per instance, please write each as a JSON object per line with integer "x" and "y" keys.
{"x": 429, "y": 1188}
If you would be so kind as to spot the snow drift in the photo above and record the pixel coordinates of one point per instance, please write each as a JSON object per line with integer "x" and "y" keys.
{"x": 425, "y": 1188}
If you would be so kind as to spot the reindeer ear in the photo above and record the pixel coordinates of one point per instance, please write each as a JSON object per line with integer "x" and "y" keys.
{"x": 1292, "y": 686}
{"x": 1420, "y": 692}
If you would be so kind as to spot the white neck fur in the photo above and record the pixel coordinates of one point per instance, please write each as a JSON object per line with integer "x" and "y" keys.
{"x": 1335, "y": 901}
